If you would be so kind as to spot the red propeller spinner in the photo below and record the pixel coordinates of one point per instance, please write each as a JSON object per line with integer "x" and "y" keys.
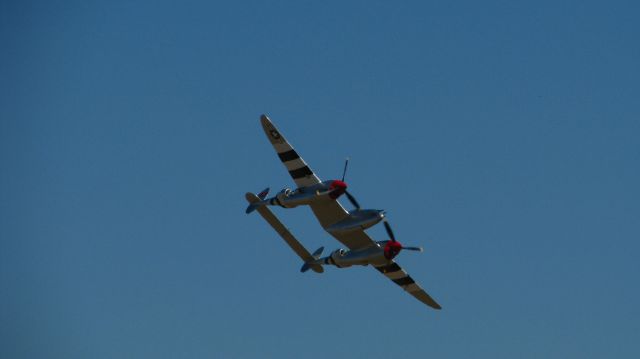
{"x": 338, "y": 187}
{"x": 393, "y": 247}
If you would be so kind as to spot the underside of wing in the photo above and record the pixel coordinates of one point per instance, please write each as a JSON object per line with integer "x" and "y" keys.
{"x": 330, "y": 212}
{"x": 302, "y": 175}
{"x": 394, "y": 272}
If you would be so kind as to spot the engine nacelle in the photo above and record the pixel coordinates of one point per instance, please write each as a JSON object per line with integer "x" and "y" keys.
{"x": 338, "y": 258}
{"x": 286, "y": 192}
{"x": 339, "y": 252}
{"x": 283, "y": 198}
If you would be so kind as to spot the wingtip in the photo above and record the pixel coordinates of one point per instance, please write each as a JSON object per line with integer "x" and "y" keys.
{"x": 433, "y": 304}
{"x": 264, "y": 118}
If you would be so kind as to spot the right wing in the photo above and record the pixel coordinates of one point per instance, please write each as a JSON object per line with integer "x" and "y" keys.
{"x": 394, "y": 272}
{"x": 302, "y": 175}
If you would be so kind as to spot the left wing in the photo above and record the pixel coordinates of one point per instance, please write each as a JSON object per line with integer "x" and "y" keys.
{"x": 394, "y": 272}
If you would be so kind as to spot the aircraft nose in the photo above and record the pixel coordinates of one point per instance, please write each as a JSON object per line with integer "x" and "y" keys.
{"x": 339, "y": 184}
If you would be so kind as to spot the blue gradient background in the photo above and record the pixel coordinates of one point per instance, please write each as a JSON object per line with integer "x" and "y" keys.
{"x": 502, "y": 136}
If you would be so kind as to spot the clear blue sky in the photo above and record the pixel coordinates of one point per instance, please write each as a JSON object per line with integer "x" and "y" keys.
{"x": 502, "y": 136}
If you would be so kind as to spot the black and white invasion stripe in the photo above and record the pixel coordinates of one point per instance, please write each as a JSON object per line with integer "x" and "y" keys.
{"x": 296, "y": 166}
{"x": 298, "y": 169}
{"x": 401, "y": 278}
{"x": 398, "y": 276}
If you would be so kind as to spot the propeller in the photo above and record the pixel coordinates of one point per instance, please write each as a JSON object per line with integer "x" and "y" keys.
{"x": 352, "y": 199}
{"x": 389, "y": 231}
{"x": 417, "y": 249}
{"x": 344, "y": 171}
{"x": 387, "y": 226}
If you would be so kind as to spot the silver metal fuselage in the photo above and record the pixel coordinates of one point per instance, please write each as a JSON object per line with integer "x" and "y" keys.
{"x": 358, "y": 219}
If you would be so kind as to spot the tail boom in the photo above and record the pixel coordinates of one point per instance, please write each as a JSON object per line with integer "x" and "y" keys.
{"x": 283, "y": 231}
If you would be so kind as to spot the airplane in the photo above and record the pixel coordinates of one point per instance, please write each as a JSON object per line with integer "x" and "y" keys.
{"x": 348, "y": 227}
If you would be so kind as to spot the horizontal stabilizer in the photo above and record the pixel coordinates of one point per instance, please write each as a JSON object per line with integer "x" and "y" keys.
{"x": 316, "y": 267}
{"x": 261, "y": 196}
{"x": 264, "y": 193}
{"x": 252, "y": 207}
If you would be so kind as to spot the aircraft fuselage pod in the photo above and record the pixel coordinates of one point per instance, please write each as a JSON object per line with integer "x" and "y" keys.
{"x": 358, "y": 219}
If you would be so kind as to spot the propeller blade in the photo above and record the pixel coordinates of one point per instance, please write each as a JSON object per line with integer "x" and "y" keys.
{"x": 352, "y": 200}
{"x": 418, "y": 249}
{"x": 389, "y": 231}
{"x": 344, "y": 172}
